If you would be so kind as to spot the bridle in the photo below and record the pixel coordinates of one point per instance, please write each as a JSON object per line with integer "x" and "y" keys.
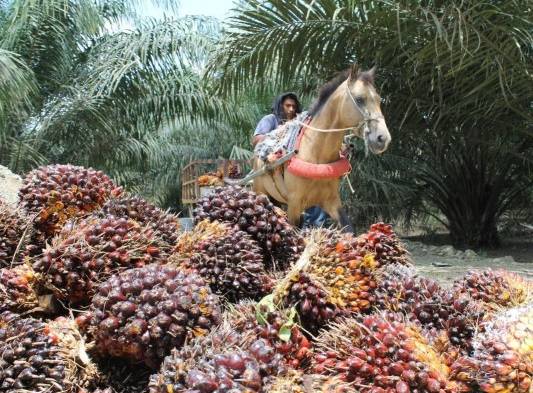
{"x": 364, "y": 123}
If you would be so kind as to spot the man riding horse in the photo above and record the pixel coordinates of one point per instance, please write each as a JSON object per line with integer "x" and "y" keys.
{"x": 286, "y": 107}
{"x": 311, "y": 174}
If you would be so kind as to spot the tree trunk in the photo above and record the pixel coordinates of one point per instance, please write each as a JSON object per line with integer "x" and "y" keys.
{"x": 473, "y": 234}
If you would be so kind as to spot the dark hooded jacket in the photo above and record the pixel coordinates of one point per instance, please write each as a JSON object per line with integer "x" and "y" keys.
{"x": 277, "y": 106}
{"x": 277, "y": 117}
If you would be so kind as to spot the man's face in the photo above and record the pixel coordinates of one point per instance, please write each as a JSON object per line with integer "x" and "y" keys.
{"x": 289, "y": 108}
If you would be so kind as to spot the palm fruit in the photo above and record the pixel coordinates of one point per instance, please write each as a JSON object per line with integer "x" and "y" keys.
{"x": 87, "y": 252}
{"x": 252, "y": 346}
{"x": 504, "y": 352}
{"x": 495, "y": 288}
{"x": 145, "y": 213}
{"x": 227, "y": 258}
{"x": 42, "y": 357}
{"x": 381, "y": 354}
{"x": 256, "y": 215}
{"x": 18, "y": 289}
{"x": 57, "y": 193}
{"x": 141, "y": 314}
{"x": 384, "y": 244}
{"x": 310, "y": 299}
{"x": 332, "y": 277}
{"x": 192, "y": 369}
{"x": 275, "y": 326}
{"x": 234, "y": 171}
{"x": 424, "y": 301}
{"x": 14, "y": 234}
{"x": 224, "y": 361}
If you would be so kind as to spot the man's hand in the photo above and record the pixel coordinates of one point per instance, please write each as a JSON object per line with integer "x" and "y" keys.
{"x": 257, "y": 138}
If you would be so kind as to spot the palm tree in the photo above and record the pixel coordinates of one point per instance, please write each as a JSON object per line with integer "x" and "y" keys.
{"x": 75, "y": 88}
{"x": 455, "y": 80}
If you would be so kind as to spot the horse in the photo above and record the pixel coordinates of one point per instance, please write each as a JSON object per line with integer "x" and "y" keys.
{"x": 349, "y": 102}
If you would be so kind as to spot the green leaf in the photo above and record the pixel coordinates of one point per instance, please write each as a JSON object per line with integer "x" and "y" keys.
{"x": 268, "y": 303}
{"x": 285, "y": 329}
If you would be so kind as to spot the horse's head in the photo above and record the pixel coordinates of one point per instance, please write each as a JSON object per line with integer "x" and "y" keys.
{"x": 362, "y": 109}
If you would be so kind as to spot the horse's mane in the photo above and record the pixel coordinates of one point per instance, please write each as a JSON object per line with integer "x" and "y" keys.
{"x": 327, "y": 89}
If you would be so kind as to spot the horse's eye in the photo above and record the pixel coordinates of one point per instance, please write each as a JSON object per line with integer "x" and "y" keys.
{"x": 360, "y": 101}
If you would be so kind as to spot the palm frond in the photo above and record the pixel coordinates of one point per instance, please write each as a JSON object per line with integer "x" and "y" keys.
{"x": 17, "y": 85}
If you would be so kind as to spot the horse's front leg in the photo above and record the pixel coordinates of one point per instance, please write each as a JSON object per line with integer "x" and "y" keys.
{"x": 294, "y": 213}
{"x": 344, "y": 221}
{"x": 338, "y": 214}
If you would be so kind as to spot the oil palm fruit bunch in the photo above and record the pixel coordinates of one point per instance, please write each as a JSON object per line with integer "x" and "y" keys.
{"x": 56, "y": 193}
{"x": 235, "y": 171}
{"x": 18, "y": 289}
{"x": 256, "y": 215}
{"x": 465, "y": 319}
{"x": 329, "y": 279}
{"x": 87, "y": 252}
{"x": 14, "y": 234}
{"x": 495, "y": 288}
{"x": 252, "y": 346}
{"x": 141, "y": 314}
{"x": 383, "y": 243}
{"x": 419, "y": 298}
{"x": 227, "y": 258}
{"x": 38, "y": 356}
{"x": 502, "y": 361}
{"x": 276, "y": 326}
{"x": 505, "y": 352}
{"x": 381, "y": 354}
{"x": 311, "y": 300}
{"x": 224, "y": 361}
{"x": 145, "y": 213}
{"x": 424, "y": 301}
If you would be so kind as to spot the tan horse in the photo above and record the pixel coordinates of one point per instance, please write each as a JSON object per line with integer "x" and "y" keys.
{"x": 348, "y": 102}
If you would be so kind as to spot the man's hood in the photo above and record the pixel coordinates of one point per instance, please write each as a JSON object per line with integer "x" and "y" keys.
{"x": 277, "y": 108}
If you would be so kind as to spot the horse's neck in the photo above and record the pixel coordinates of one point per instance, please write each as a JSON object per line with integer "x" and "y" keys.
{"x": 323, "y": 147}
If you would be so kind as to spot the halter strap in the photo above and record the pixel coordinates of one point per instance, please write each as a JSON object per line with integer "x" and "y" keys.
{"x": 367, "y": 118}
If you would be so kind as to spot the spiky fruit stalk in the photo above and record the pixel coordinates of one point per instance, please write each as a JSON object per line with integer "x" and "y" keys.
{"x": 15, "y": 232}
{"x": 229, "y": 260}
{"x": 256, "y": 215}
{"x": 380, "y": 353}
{"x": 120, "y": 376}
{"x": 503, "y": 356}
{"x": 42, "y": 357}
{"x": 298, "y": 382}
{"x": 88, "y": 252}
{"x": 56, "y": 193}
{"x": 496, "y": 288}
{"x": 146, "y": 214}
{"x": 141, "y": 314}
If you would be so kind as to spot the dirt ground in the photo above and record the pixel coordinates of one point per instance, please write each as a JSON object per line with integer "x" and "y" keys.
{"x": 442, "y": 262}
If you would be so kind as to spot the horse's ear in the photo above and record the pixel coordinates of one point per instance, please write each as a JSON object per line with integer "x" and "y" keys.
{"x": 368, "y": 76}
{"x": 354, "y": 72}
{"x": 372, "y": 72}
